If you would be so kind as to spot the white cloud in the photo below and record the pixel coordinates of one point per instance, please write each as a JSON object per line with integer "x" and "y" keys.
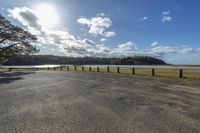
{"x": 186, "y": 50}
{"x": 84, "y": 21}
{"x": 166, "y": 13}
{"x": 160, "y": 51}
{"x": 166, "y": 19}
{"x": 27, "y": 17}
{"x": 101, "y": 14}
{"x": 109, "y": 34}
{"x": 88, "y": 42}
{"x": 154, "y": 44}
{"x": 127, "y": 46}
{"x": 98, "y": 25}
{"x": 124, "y": 50}
{"x": 144, "y": 18}
{"x": 103, "y": 39}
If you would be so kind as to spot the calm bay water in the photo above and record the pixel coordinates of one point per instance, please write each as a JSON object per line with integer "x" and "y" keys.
{"x": 31, "y": 66}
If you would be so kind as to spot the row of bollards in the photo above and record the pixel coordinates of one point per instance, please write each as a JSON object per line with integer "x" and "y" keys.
{"x": 180, "y": 71}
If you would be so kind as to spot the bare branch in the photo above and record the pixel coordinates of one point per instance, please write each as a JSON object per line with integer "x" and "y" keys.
{"x": 17, "y": 41}
{"x": 3, "y": 40}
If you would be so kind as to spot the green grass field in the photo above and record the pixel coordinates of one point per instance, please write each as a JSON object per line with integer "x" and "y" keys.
{"x": 171, "y": 73}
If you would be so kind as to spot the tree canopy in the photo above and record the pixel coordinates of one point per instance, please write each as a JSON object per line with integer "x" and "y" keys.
{"x": 14, "y": 40}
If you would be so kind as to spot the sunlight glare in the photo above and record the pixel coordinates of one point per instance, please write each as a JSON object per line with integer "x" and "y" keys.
{"x": 47, "y": 16}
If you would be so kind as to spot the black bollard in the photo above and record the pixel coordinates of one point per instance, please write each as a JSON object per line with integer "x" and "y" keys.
{"x": 108, "y": 69}
{"x": 133, "y": 70}
{"x": 118, "y": 71}
{"x": 180, "y": 73}
{"x": 153, "y": 72}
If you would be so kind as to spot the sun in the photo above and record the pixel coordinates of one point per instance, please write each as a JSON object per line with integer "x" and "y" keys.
{"x": 47, "y": 15}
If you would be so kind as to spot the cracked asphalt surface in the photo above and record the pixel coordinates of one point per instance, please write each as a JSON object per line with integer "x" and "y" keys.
{"x": 89, "y": 102}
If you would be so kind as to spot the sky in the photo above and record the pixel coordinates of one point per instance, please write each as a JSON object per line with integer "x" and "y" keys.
{"x": 165, "y": 29}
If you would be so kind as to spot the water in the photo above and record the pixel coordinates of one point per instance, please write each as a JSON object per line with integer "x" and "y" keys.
{"x": 31, "y": 66}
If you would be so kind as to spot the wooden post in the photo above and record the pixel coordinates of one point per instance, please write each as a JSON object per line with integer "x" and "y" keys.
{"x": 180, "y": 73}
{"x": 97, "y": 69}
{"x": 54, "y": 68}
{"x": 47, "y": 68}
{"x": 61, "y": 68}
{"x": 75, "y": 68}
{"x": 118, "y": 71}
{"x": 90, "y": 69}
{"x": 133, "y": 70}
{"x": 82, "y": 68}
{"x": 67, "y": 68}
{"x": 108, "y": 69}
{"x": 10, "y": 69}
{"x": 153, "y": 72}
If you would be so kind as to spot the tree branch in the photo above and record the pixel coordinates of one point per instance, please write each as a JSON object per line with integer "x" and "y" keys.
{"x": 8, "y": 47}
{"x": 3, "y": 40}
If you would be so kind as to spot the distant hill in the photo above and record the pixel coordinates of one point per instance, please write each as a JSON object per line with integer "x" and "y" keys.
{"x": 51, "y": 59}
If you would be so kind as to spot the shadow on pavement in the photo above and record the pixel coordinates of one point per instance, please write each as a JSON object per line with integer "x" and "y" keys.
{"x": 9, "y": 77}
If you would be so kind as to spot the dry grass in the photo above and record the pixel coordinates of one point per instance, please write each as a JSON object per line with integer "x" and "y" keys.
{"x": 138, "y": 71}
{"x": 146, "y": 72}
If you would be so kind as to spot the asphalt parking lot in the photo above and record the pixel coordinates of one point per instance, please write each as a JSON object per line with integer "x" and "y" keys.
{"x": 89, "y": 102}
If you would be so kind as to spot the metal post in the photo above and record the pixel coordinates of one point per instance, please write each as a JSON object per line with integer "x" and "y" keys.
{"x": 153, "y": 72}
{"x": 118, "y": 70}
{"x": 180, "y": 73}
{"x": 108, "y": 69}
{"x": 133, "y": 70}
{"x": 97, "y": 69}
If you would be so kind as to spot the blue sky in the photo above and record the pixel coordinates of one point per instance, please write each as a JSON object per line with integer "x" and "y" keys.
{"x": 167, "y": 29}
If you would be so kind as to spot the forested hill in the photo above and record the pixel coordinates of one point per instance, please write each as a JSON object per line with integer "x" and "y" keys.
{"x": 51, "y": 59}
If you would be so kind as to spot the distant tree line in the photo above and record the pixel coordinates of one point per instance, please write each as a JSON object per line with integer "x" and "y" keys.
{"x": 51, "y": 59}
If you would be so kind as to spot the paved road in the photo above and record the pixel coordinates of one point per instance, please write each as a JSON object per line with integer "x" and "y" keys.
{"x": 84, "y": 102}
